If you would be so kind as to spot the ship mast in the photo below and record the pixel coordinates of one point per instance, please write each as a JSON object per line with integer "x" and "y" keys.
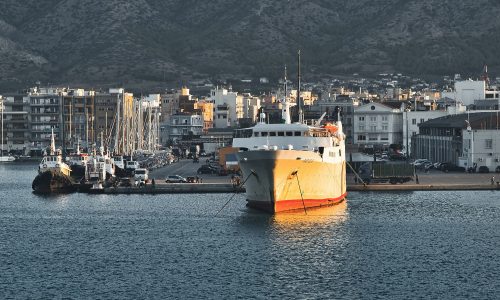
{"x": 299, "y": 103}
{"x": 285, "y": 113}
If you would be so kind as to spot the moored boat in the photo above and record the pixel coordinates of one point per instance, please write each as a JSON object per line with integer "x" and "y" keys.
{"x": 53, "y": 173}
{"x": 292, "y": 166}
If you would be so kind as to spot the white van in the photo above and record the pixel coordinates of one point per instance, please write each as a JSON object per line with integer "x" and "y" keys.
{"x": 141, "y": 174}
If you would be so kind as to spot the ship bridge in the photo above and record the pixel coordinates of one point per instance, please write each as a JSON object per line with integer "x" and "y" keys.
{"x": 283, "y": 137}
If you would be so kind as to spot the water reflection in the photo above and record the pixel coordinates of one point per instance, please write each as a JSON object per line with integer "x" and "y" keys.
{"x": 329, "y": 215}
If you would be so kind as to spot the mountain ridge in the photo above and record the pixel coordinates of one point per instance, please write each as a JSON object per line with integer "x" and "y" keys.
{"x": 119, "y": 41}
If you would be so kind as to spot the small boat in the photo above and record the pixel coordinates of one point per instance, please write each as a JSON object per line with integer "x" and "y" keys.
{"x": 54, "y": 175}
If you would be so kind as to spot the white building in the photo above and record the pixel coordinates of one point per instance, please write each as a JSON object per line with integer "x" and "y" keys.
{"x": 224, "y": 98}
{"x": 481, "y": 147}
{"x": 469, "y": 92}
{"x": 377, "y": 125}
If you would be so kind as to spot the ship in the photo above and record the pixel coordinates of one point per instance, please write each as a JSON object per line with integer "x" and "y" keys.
{"x": 54, "y": 175}
{"x": 78, "y": 163}
{"x": 292, "y": 166}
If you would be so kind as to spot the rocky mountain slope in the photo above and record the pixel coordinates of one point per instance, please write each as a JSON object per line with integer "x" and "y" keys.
{"x": 129, "y": 42}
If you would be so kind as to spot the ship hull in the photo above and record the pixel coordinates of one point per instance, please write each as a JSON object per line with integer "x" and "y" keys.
{"x": 287, "y": 180}
{"x": 52, "y": 181}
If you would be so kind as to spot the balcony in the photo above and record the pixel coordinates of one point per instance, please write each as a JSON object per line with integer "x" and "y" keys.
{"x": 16, "y": 121}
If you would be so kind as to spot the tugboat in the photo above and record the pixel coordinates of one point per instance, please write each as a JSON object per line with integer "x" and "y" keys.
{"x": 78, "y": 163}
{"x": 53, "y": 173}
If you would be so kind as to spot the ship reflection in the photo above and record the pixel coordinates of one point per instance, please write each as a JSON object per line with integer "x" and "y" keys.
{"x": 313, "y": 216}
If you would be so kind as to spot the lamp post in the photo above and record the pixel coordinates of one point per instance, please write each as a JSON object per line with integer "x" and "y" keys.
{"x": 471, "y": 147}
{"x": 407, "y": 137}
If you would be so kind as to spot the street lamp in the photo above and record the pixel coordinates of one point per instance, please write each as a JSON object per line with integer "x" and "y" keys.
{"x": 471, "y": 147}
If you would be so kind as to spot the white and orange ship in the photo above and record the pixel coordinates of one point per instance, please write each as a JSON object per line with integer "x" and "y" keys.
{"x": 292, "y": 166}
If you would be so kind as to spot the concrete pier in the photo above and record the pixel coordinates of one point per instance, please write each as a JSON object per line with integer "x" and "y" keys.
{"x": 420, "y": 187}
{"x": 175, "y": 188}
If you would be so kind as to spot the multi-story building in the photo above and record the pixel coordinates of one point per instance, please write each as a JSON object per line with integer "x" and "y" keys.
{"x": 377, "y": 126}
{"x": 169, "y": 105}
{"x": 184, "y": 125}
{"x": 16, "y": 123}
{"x": 229, "y": 102}
{"x": 251, "y": 106}
{"x": 46, "y": 116}
{"x": 79, "y": 118}
{"x": 206, "y": 109}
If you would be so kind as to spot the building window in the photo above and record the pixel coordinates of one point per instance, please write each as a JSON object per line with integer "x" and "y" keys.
{"x": 488, "y": 144}
{"x": 385, "y": 127}
{"x": 384, "y": 118}
{"x": 361, "y": 118}
{"x": 361, "y": 138}
{"x": 373, "y": 128}
{"x": 373, "y": 138}
{"x": 422, "y": 121}
{"x": 414, "y": 121}
{"x": 361, "y": 127}
{"x": 373, "y": 118}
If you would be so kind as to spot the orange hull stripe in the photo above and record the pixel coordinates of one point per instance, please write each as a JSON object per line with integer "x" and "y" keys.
{"x": 295, "y": 204}
{"x": 298, "y": 204}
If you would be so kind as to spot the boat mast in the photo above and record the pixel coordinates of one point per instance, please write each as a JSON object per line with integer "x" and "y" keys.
{"x": 299, "y": 103}
{"x": 286, "y": 105}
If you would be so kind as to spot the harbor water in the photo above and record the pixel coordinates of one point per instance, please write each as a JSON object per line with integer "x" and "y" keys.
{"x": 441, "y": 245}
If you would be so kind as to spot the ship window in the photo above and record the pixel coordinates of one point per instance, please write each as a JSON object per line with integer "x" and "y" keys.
{"x": 281, "y": 133}
{"x": 289, "y": 133}
{"x": 272, "y": 133}
{"x": 297, "y": 133}
{"x": 263, "y": 133}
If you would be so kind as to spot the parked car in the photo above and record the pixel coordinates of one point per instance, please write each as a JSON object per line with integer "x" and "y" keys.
{"x": 191, "y": 179}
{"x": 437, "y": 165}
{"x": 175, "y": 179}
{"x": 206, "y": 169}
{"x": 125, "y": 181}
{"x": 420, "y": 163}
{"x": 483, "y": 169}
{"x": 449, "y": 167}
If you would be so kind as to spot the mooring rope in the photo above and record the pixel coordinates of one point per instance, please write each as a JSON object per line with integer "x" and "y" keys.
{"x": 300, "y": 190}
{"x": 236, "y": 192}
